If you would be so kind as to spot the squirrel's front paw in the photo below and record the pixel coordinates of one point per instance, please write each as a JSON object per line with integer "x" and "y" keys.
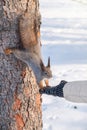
{"x": 8, "y": 51}
{"x": 46, "y": 82}
{"x": 41, "y": 84}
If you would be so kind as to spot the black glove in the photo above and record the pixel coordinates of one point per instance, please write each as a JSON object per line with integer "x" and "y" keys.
{"x": 55, "y": 91}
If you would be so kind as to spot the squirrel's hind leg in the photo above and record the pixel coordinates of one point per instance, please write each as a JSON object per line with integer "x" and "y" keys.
{"x": 20, "y": 54}
{"x": 8, "y": 51}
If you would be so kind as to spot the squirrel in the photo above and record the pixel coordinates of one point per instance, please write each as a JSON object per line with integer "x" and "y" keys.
{"x": 30, "y": 54}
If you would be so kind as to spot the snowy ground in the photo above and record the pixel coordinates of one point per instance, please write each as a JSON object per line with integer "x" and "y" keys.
{"x": 64, "y": 39}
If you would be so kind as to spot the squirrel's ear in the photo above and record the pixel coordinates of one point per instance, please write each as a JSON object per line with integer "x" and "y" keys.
{"x": 48, "y": 65}
{"x": 42, "y": 65}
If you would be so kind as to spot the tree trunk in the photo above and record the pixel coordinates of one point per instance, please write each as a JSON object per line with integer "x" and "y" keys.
{"x": 20, "y": 101}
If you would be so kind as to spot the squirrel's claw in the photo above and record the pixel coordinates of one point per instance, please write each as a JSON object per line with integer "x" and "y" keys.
{"x": 8, "y": 51}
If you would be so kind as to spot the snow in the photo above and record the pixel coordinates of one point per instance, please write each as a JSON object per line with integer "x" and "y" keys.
{"x": 64, "y": 39}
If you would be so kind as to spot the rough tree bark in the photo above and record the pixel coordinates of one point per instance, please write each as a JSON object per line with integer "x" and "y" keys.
{"x": 20, "y": 101}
